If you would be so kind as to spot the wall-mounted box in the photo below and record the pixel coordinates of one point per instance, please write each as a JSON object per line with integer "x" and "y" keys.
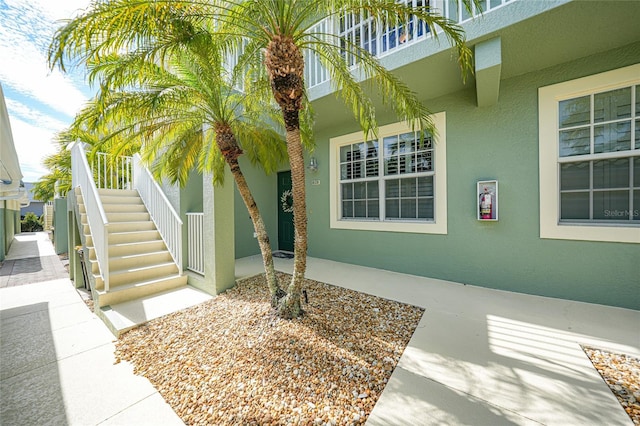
{"x": 487, "y": 200}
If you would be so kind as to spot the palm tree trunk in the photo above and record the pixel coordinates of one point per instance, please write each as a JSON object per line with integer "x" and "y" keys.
{"x": 285, "y": 65}
{"x": 230, "y": 150}
{"x": 290, "y": 305}
{"x": 261, "y": 232}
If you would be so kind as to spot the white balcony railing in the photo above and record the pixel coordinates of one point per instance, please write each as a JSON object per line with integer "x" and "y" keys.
{"x": 382, "y": 40}
{"x": 82, "y": 176}
{"x": 195, "y": 232}
{"x": 162, "y": 212}
{"x": 113, "y": 172}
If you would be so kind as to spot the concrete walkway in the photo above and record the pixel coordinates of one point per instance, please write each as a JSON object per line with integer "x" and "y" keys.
{"x": 56, "y": 357}
{"x": 488, "y": 357}
{"x": 478, "y": 356}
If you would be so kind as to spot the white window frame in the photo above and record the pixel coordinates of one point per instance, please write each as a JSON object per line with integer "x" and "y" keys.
{"x": 437, "y": 226}
{"x": 548, "y": 100}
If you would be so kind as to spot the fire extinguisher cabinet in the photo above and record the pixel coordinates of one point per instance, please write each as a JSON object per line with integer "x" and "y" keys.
{"x": 487, "y": 200}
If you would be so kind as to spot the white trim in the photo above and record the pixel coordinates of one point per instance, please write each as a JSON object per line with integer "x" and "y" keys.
{"x": 438, "y": 226}
{"x": 548, "y": 98}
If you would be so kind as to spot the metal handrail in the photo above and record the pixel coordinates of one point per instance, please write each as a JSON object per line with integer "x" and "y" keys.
{"x": 96, "y": 216}
{"x": 167, "y": 220}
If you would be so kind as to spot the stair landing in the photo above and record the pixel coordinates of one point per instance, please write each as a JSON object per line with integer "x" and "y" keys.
{"x": 124, "y": 316}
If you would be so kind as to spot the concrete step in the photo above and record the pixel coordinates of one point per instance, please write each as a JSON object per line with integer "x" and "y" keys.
{"x": 133, "y": 261}
{"x": 140, "y": 273}
{"x": 137, "y": 247}
{"x": 128, "y": 217}
{"x": 123, "y": 227}
{"x": 124, "y": 316}
{"x": 120, "y": 199}
{"x": 124, "y": 208}
{"x": 138, "y": 260}
{"x": 136, "y": 289}
{"x": 134, "y": 236}
{"x": 118, "y": 227}
{"x": 117, "y": 193}
{"x": 126, "y": 197}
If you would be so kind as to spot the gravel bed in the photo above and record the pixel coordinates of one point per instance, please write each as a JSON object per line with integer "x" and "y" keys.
{"x": 232, "y": 361}
{"x": 622, "y": 374}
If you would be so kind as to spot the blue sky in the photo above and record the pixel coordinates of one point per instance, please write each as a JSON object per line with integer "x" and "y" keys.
{"x": 41, "y": 102}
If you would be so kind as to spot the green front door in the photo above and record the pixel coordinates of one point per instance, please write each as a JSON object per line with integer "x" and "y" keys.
{"x": 285, "y": 212}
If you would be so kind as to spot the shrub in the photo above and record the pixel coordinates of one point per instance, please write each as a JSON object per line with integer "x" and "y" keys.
{"x": 31, "y": 223}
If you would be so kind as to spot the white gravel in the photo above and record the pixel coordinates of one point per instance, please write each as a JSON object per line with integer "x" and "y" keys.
{"x": 622, "y": 373}
{"x": 231, "y": 361}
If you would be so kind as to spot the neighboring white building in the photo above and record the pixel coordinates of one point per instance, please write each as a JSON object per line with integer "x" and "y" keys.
{"x": 12, "y": 193}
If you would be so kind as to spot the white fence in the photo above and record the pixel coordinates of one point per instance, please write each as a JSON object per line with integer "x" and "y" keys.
{"x": 195, "y": 232}
{"x": 162, "y": 212}
{"x": 82, "y": 176}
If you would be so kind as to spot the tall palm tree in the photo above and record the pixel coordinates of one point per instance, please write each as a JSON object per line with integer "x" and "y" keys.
{"x": 277, "y": 33}
{"x": 186, "y": 115}
{"x": 273, "y": 35}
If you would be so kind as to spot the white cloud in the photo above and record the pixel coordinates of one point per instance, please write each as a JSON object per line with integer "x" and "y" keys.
{"x": 24, "y": 112}
{"x": 59, "y": 9}
{"x": 26, "y": 28}
{"x": 32, "y": 145}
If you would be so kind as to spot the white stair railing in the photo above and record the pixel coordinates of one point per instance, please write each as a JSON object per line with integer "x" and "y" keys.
{"x": 96, "y": 216}
{"x": 195, "y": 231}
{"x": 112, "y": 172}
{"x": 162, "y": 212}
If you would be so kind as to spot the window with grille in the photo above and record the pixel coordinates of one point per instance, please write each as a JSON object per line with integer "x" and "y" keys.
{"x": 390, "y": 179}
{"x": 599, "y": 156}
{"x": 589, "y": 138}
{"x": 392, "y": 183}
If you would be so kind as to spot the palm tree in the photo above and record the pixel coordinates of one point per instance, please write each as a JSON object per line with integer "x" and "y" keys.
{"x": 58, "y": 180}
{"x": 273, "y": 35}
{"x": 279, "y": 32}
{"x": 186, "y": 115}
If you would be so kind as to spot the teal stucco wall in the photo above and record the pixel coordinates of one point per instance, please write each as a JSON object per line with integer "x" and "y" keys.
{"x": 265, "y": 192}
{"x": 9, "y": 225}
{"x": 60, "y": 226}
{"x": 497, "y": 142}
{"x": 3, "y": 233}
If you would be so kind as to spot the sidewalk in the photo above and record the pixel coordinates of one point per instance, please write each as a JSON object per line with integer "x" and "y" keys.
{"x": 57, "y": 357}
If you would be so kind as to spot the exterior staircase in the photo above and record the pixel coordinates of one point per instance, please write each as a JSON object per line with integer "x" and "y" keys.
{"x": 133, "y": 263}
{"x": 139, "y": 262}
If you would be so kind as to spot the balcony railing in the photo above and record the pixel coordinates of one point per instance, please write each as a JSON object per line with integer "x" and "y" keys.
{"x": 195, "y": 232}
{"x": 111, "y": 172}
{"x": 381, "y": 40}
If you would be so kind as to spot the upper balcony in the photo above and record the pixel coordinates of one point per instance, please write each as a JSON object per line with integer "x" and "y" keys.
{"x": 508, "y": 37}
{"x": 382, "y": 40}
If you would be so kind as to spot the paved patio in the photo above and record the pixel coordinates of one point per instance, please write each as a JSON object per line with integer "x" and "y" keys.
{"x": 478, "y": 357}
